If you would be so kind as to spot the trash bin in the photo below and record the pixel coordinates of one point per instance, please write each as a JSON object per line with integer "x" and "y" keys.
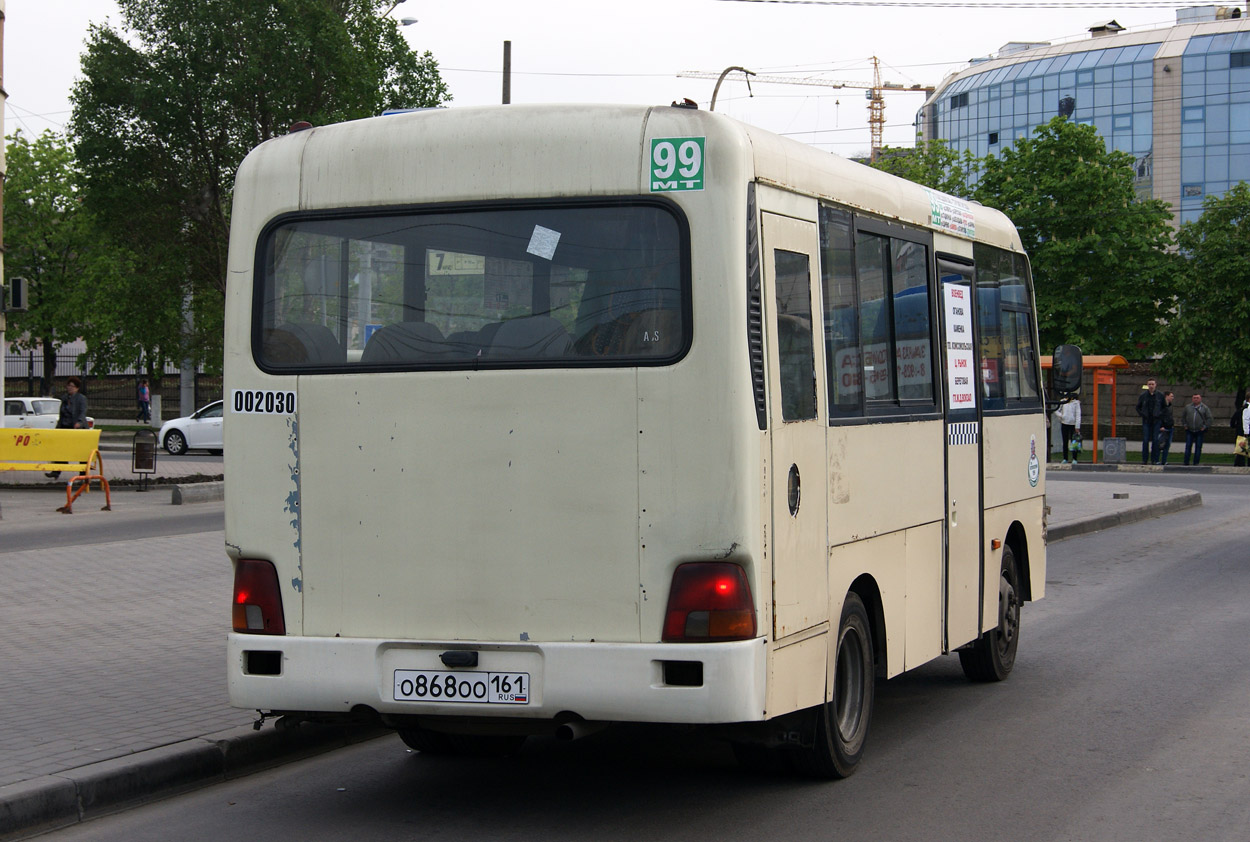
{"x": 1114, "y": 450}
{"x": 143, "y": 456}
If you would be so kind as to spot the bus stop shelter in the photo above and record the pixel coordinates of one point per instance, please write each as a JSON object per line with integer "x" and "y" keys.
{"x": 1104, "y": 369}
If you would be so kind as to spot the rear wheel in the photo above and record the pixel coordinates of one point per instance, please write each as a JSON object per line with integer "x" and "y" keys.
{"x": 842, "y": 724}
{"x": 175, "y": 443}
{"x": 993, "y": 654}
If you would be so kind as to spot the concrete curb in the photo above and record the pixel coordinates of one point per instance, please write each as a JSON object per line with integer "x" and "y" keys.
{"x": 55, "y": 801}
{"x": 1083, "y": 526}
{"x": 198, "y": 492}
{"x": 1131, "y": 468}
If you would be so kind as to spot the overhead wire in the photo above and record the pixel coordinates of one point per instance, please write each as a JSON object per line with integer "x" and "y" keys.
{"x": 962, "y": 4}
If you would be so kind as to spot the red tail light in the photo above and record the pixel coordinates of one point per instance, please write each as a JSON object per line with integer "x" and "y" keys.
{"x": 709, "y": 600}
{"x": 257, "y": 599}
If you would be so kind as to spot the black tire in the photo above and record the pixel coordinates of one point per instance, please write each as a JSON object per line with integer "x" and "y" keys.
{"x": 842, "y": 724}
{"x": 175, "y": 443}
{"x": 993, "y": 654}
{"x": 468, "y": 745}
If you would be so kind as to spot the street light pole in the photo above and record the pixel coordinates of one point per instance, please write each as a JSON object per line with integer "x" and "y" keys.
{"x": 507, "y": 72}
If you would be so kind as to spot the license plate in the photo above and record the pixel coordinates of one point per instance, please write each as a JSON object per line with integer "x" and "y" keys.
{"x": 462, "y": 687}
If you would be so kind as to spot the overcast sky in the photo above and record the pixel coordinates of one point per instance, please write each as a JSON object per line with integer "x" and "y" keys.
{"x": 631, "y": 52}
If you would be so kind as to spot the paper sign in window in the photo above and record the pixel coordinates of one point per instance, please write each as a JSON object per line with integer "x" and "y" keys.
{"x": 543, "y": 242}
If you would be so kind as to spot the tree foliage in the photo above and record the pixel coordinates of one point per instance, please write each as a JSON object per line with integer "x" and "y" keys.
{"x": 50, "y": 241}
{"x": 168, "y": 106}
{"x": 1102, "y": 273}
{"x": 1208, "y": 337}
{"x": 931, "y": 163}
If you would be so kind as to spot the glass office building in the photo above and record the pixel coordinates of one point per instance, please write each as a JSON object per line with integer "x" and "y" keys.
{"x": 1176, "y": 99}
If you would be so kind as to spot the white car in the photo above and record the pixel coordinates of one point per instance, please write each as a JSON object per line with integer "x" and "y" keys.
{"x": 201, "y": 431}
{"x": 34, "y": 413}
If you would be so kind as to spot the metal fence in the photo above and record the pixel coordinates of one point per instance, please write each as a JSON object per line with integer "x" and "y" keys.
{"x": 110, "y": 394}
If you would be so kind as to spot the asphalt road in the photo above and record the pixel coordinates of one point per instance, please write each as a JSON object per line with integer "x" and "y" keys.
{"x": 31, "y": 522}
{"x": 1124, "y": 720}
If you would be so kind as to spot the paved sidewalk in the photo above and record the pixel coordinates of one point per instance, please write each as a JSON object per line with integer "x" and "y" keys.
{"x": 113, "y": 689}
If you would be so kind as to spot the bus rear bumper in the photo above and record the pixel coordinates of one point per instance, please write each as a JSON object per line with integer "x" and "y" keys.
{"x": 702, "y": 683}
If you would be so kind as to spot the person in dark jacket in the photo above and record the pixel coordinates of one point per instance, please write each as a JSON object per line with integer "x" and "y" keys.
{"x": 1150, "y": 408}
{"x": 73, "y": 411}
{"x": 1166, "y": 422}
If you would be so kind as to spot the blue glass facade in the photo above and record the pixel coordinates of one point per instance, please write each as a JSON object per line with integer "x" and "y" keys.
{"x": 1190, "y": 138}
{"x": 1112, "y": 89}
{"x": 1215, "y": 118}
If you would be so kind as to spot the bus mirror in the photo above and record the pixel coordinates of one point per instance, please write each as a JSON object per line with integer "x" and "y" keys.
{"x": 1065, "y": 371}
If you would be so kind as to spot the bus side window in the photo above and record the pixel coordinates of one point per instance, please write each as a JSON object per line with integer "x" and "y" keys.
{"x": 844, "y": 371}
{"x": 1004, "y": 309}
{"x": 794, "y": 336}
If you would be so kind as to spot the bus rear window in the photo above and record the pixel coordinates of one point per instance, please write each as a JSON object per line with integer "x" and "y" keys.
{"x": 539, "y": 285}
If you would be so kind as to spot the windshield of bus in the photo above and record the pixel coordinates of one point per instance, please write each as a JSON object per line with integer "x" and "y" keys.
{"x": 532, "y": 285}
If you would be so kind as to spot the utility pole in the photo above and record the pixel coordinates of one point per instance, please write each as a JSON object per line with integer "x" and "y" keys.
{"x": 507, "y": 72}
{"x": 3, "y": 292}
{"x": 4, "y": 351}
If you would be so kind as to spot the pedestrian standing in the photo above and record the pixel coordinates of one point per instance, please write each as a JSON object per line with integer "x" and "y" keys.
{"x": 73, "y": 412}
{"x": 1242, "y": 452}
{"x": 1197, "y": 420}
{"x": 1239, "y": 405}
{"x": 144, "y": 397}
{"x": 1166, "y": 422}
{"x": 1069, "y": 423}
{"x": 1150, "y": 407}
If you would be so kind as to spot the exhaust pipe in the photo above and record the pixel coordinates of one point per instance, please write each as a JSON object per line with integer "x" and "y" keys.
{"x": 578, "y": 728}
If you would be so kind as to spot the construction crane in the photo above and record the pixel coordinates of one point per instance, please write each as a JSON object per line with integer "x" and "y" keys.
{"x": 874, "y": 92}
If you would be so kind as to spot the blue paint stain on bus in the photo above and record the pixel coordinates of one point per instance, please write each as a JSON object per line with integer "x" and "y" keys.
{"x": 293, "y": 500}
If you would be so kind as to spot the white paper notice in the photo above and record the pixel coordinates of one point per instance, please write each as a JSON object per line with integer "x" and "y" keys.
{"x": 543, "y": 242}
{"x": 960, "y": 374}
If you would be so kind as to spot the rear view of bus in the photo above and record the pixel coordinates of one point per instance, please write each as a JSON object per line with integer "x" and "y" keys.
{"x": 504, "y": 451}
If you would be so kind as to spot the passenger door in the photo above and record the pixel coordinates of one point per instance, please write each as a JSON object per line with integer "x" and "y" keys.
{"x": 964, "y": 584}
{"x": 796, "y": 475}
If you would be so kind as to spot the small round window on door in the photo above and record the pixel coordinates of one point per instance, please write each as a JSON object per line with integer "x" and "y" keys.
{"x": 793, "y": 492}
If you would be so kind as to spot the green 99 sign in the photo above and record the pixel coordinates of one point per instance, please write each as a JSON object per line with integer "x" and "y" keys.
{"x": 676, "y": 164}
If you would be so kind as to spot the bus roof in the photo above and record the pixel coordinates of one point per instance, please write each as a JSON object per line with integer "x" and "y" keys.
{"x": 534, "y": 151}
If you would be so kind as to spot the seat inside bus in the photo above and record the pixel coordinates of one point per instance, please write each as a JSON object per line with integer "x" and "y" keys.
{"x": 298, "y": 342}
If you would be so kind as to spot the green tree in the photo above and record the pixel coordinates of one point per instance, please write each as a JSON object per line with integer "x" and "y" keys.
{"x": 168, "y": 106}
{"x": 931, "y": 163}
{"x": 1102, "y": 272}
{"x": 1208, "y": 336}
{"x": 50, "y": 240}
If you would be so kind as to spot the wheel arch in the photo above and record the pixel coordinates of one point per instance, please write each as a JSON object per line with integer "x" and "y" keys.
{"x": 1020, "y": 549}
{"x": 865, "y": 587}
